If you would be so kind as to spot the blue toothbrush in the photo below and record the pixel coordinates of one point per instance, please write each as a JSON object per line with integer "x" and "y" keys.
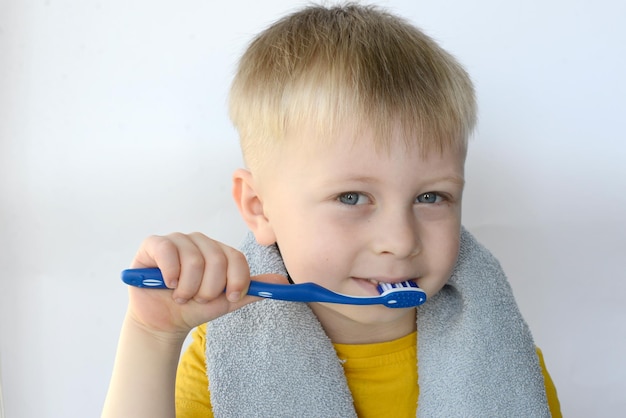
{"x": 393, "y": 295}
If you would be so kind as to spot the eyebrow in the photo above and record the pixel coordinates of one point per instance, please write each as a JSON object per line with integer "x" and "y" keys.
{"x": 460, "y": 181}
{"x": 452, "y": 179}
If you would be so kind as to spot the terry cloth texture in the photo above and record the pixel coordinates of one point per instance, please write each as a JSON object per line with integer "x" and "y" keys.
{"x": 476, "y": 354}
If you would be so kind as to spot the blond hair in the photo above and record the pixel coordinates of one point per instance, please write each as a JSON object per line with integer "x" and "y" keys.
{"x": 350, "y": 65}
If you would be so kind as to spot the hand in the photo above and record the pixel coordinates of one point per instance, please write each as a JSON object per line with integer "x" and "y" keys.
{"x": 197, "y": 269}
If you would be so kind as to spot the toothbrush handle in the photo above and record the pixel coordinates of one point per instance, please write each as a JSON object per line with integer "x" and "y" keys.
{"x": 305, "y": 292}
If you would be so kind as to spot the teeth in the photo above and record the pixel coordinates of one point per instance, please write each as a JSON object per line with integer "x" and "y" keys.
{"x": 378, "y": 282}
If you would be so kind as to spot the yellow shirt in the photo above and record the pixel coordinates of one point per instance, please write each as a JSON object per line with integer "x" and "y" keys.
{"x": 382, "y": 378}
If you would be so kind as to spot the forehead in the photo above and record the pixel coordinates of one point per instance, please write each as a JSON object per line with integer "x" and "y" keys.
{"x": 307, "y": 164}
{"x": 319, "y": 172}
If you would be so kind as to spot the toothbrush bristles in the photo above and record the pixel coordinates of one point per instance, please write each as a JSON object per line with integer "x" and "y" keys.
{"x": 383, "y": 287}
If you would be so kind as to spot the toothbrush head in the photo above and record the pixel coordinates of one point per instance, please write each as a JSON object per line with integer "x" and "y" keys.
{"x": 405, "y": 294}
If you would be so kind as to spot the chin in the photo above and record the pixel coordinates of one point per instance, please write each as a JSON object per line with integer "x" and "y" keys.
{"x": 369, "y": 314}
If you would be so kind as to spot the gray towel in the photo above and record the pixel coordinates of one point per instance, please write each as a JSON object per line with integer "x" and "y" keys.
{"x": 476, "y": 355}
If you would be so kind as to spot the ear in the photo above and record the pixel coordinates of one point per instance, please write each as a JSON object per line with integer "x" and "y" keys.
{"x": 248, "y": 200}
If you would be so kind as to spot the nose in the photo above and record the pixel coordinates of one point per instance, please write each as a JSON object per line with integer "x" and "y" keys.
{"x": 396, "y": 233}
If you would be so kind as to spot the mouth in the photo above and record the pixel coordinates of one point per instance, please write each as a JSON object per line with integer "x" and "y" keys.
{"x": 377, "y": 282}
{"x": 371, "y": 284}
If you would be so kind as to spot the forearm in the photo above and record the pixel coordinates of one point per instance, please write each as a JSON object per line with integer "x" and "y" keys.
{"x": 144, "y": 374}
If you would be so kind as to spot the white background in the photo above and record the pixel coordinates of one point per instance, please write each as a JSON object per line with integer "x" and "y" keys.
{"x": 113, "y": 126}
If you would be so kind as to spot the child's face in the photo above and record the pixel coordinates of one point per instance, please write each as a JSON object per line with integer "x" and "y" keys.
{"x": 346, "y": 215}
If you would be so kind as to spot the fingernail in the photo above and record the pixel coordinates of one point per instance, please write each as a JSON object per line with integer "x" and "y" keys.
{"x": 234, "y": 296}
{"x": 174, "y": 284}
{"x": 181, "y": 301}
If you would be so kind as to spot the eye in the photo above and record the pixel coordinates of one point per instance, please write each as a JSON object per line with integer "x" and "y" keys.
{"x": 352, "y": 198}
{"x": 430, "y": 197}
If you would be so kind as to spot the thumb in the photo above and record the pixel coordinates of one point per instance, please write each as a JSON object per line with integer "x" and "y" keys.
{"x": 263, "y": 278}
{"x": 270, "y": 278}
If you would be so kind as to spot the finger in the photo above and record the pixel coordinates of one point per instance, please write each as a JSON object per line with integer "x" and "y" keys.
{"x": 237, "y": 275}
{"x": 192, "y": 266}
{"x": 216, "y": 264}
{"x": 159, "y": 251}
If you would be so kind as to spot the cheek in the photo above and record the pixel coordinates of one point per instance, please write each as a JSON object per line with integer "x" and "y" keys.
{"x": 315, "y": 254}
{"x": 449, "y": 254}
{"x": 442, "y": 248}
{"x": 307, "y": 265}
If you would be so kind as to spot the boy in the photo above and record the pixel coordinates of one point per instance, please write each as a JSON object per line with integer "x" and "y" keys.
{"x": 354, "y": 127}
